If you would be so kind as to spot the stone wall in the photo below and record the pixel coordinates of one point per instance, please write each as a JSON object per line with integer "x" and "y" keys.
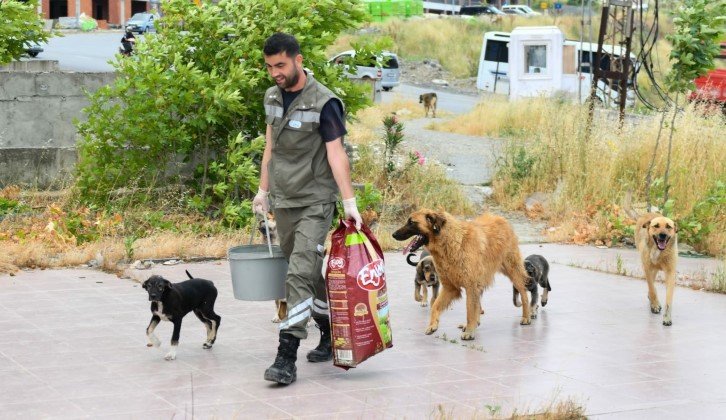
{"x": 37, "y": 133}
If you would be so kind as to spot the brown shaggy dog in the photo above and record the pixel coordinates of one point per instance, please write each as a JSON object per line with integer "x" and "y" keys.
{"x": 429, "y": 100}
{"x": 658, "y": 245}
{"x": 467, "y": 256}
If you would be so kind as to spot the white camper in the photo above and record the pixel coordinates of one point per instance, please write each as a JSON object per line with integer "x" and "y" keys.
{"x": 545, "y": 63}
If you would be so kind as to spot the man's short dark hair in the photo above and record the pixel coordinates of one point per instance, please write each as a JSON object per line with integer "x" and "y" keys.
{"x": 281, "y": 42}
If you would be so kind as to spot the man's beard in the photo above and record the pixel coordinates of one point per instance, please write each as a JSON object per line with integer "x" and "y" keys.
{"x": 290, "y": 81}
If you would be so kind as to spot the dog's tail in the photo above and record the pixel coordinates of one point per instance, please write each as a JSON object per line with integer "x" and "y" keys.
{"x": 190, "y": 276}
{"x": 409, "y": 261}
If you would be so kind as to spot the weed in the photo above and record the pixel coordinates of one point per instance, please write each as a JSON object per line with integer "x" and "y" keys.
{"x": 718, "y": 280}
{"x": 619, "y": 265}
{"x": 493, "y": 409}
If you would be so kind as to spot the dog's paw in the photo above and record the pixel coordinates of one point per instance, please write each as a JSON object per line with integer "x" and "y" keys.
{"x": 276, "y": 319}
{"x": 430, "y": 330}
{"x": 667, "y": 322}
{"x": 153, "y": 341}
{"x": 525, "y": 321}
{"x": 424, "y": 303}
{"x": 655, "y": 309}
{"x": 544, "y": 302}
{"x": 467, "y": 335}
{"x": 207, "y": 345}
{"x": 170, "y": 356}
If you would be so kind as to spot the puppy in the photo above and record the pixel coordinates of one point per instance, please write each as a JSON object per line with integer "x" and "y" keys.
{"x": 172, "y": 301}
{"x": 370, "y": 217}
{"x": 280, "y": 304}
{"x": 429, "y": 100}
{"x": 425, "y": 277}
{"x": 657, "y": 243}
{"x": 272, "y": 224}
{"x": 537, "y": 270}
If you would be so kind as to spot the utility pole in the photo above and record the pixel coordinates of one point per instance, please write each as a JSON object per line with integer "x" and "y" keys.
{"x": 616, "y": 29}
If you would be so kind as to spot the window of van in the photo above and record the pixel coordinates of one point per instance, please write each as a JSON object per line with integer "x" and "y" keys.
{"x": 497, "y": 51}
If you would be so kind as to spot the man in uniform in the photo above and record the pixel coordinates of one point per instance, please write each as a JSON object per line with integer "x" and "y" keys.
{"x": 304, "y": 166}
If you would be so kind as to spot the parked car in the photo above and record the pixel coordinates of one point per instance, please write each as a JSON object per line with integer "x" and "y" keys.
{"x": 482, "y": 9}
{"x": 519, "y": 9}
{"x": 141, "y": 22}
{"x": 33, "y": 49}
{"x": 387, "y": 70}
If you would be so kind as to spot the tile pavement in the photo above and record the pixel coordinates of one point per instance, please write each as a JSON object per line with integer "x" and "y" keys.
{"x": 72, "y": 345}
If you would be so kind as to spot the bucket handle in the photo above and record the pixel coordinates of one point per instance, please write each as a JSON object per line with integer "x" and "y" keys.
{"x": 267, "y": 231}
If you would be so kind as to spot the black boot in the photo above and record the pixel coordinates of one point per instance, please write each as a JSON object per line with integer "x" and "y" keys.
{"x": 324, "y": 351}
{"x": 283, "y": 371}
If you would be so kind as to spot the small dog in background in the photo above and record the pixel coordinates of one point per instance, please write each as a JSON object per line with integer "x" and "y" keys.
{"x": 538, "y": 271}
{"x": 280, "y": 304}
{"x": 172, "y": 301}
{"x": 272, "y": 224}
{"x": 429, "y": 101}
{"x": 657, "y": 243}
{"x": 370, "y": 217}
{"x": 425, "y": 277}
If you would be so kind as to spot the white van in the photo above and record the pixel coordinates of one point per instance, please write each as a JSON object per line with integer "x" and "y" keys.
{"x": 493, "y": 73}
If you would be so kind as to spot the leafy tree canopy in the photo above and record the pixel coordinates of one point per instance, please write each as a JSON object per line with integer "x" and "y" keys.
{"x": 194, "y": 93}
{"x": 699, "y": 24}
{"x": 20, "y": 23}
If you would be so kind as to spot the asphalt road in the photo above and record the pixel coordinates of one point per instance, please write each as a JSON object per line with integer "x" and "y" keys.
{"x": 92, "y": 52}
{"x": 83, "y": 52}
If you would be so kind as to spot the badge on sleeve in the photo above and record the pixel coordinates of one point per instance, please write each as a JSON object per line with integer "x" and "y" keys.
{"x": 295, "y": 124}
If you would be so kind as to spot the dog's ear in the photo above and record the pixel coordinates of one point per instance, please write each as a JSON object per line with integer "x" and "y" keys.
{"x": 420, "y": 98}
{"x": 436, "y": 221}
{"x": 646, "y": 224}
{"x": 168, "y": 284}
{"x": 145, "y": 284}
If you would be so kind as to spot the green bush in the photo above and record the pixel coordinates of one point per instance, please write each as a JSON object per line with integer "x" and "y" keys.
{"x": 19, "y": 24}
{"x": 194, "y": 93}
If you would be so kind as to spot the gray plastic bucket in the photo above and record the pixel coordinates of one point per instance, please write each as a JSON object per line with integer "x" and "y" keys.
{"x": 258, "y": 271}
{"x": 255, "y": 274}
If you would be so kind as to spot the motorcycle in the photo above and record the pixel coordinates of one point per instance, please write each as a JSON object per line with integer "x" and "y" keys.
{"x": 127, "y": 46}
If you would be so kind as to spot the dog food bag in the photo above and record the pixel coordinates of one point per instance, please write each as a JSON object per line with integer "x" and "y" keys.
{"x": 356, "y": 281}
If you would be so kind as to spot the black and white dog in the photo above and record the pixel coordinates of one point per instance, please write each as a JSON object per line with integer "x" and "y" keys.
{"x": 538, "y": 270}
{"x": 172, "y": 301}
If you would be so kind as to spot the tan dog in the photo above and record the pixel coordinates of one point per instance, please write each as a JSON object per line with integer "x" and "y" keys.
{"x": 429, "y": 100}
{"x": 658, "y": 245}
{"x": 467, "y": 255}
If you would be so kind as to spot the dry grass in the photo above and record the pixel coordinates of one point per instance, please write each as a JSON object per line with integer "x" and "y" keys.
{"x": 110, "y": 252}
{"x": 452, "y": 41}
{"x": 548, "y": 151}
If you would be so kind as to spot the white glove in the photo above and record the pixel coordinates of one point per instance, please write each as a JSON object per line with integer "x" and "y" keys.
{"x": 351, "y": 212}
{"x": 261, "y": 204}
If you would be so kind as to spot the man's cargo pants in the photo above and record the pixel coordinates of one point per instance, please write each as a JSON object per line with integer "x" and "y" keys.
{"x": 302, "y": 232}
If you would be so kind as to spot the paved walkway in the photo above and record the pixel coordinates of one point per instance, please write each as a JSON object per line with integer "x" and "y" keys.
{"x": 73, "y": 346}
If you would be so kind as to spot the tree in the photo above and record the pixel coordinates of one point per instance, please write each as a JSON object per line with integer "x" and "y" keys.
{"x": 195, "y": 92}
{"x": 699, "y": 24}
{"x": 19, "y": 24}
